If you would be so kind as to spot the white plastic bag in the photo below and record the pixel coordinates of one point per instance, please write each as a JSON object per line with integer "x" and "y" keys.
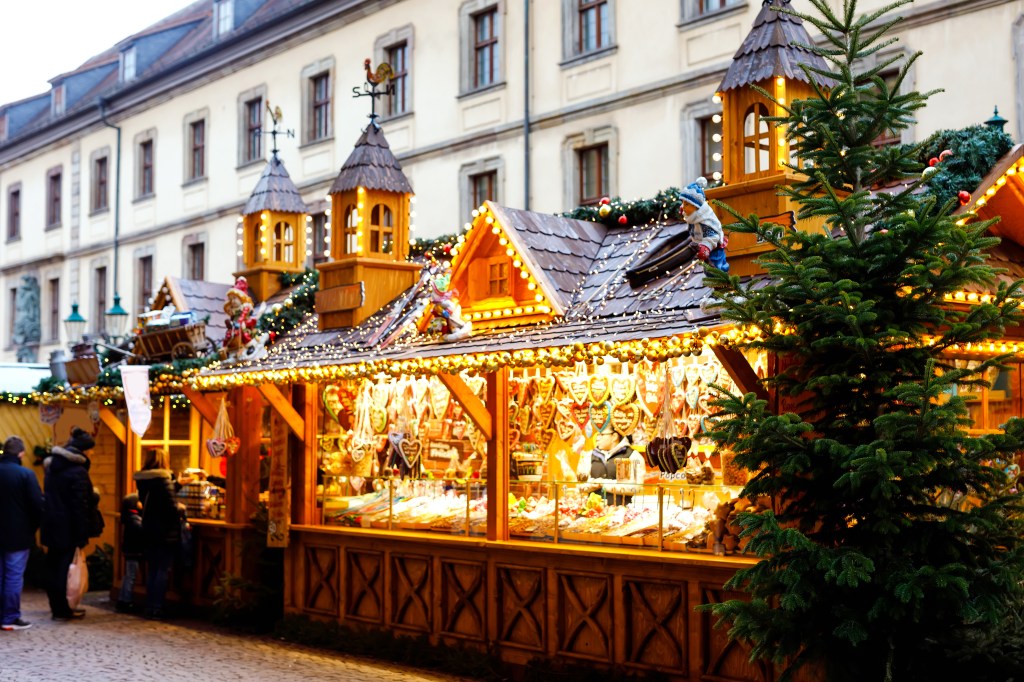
{"x": 78, "y": 579}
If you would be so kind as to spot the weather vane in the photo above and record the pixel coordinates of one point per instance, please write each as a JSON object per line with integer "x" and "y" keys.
{"x": 275, "y": 116}
{"x": 382, "y": 76}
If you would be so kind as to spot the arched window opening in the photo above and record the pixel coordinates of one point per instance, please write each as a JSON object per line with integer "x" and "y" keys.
{"x": 284, "y": 242}
{"x": 350, "y": 229}
{"x": 381, "y": 229}
{"x": 756, "y": 139}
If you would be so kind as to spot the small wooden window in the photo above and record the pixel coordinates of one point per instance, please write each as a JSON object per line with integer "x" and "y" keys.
{"x": 711, "y": 147}
{"x": 53, "y": 205}
{"x": 594, "y": 25}
{"x": 757, "y": 140}
{"x": 483, "y": 187}
{"x": 14, "y": 214}
{"x": 485, "y": 48}
{"x": 197, "y": 261}
{"x": 284, "y": 242}
{"x": 593, "y": 173}
{"x": 381, "y": 229}
{"x": 100, "y": 300}
{"x": 197, "y": 144}
{"x": 254, "y": 129}
{"x": 144, "y": 274}
{"x": 350, "y": 245}
{"x": 497, "y": 278}
{"x": 320, "y": 88}
{"x": 398, "y": 59}
{"x": 100, "y": 184}
{"x": 54, "y": 286}
{"x": 146, "y": 168}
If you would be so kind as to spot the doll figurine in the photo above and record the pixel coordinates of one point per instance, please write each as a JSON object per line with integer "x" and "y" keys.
{"x": 708, "y": 236}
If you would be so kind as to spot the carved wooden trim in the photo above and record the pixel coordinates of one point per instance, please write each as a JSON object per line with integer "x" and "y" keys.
{"x": 473, "y": 406}
{"x": 464, "y": 599}
{"x": 284, "y": 408}
{"x": 522, "y": 607}
{"x": 364, "y": 586}
{"x": 584, "y": 615}
{"x": 321, "y": 581}
{"x": 723, "y": 659}
{"x": 411, "y": 592}
{"x": 655, "y": 624}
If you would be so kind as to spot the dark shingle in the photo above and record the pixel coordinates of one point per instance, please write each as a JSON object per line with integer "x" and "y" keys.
{"x": 275, "y": 191}
{"x": 371, "y": 165}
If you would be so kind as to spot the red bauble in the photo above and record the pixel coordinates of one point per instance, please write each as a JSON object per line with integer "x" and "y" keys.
{"x": 623, "y": 220}
{"x": 605, "y": 201}
{"x": 933, "y": 161}
{"x": 965, "y": 197}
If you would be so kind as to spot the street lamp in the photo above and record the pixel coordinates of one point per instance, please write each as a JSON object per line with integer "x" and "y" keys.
{"x": 74, "y": 324}
{"x": 116, "y": 320}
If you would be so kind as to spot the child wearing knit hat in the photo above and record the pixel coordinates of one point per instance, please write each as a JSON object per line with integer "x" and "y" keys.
{"x": 707, "y": 232}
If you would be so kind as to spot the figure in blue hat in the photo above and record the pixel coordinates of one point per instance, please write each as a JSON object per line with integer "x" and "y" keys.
{"x": 708, "y": 235}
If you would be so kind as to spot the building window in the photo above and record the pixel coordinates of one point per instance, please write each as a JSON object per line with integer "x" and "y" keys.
{"x": 711, "y": 6}
{"x": 195, "y": 261}
{"x": 128, "y": 65}
{"x": 57, "y": 99}
{"x": 12, "y": 314}
{"x": 398, "y": 58}
{"x": 145, "y": 179}
{"x": 197, "y": 150}
{"x": 497, "y": 278}
{"x": 485, "y": 48}
{"x": 320, "y": 98}
{"x": 483, "y": 187}
{"x": 100, "y": 184}
{"x": 351, "y": 227}
{"x": 100, "y": 300}
{"x": 14, "y": 213}
{"x": 593, "y": 173}
{"x": 756, "y": 139}
{"x": 53, "y": 287}
{"x": 224, "y": 16}
{"x": 381, "y": 229}
{"x": 711, "y": 147}
{"x": 144, "y": 280}
{"x": 594, "y": 26}
{"x": 53, "y": 208}
{"x": 254, "y": 129}
{"x": 284, "y": 242}
{"x": 321, "y": 241}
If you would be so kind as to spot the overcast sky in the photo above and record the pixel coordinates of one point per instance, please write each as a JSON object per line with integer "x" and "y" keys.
{"x": 44, "y": 38}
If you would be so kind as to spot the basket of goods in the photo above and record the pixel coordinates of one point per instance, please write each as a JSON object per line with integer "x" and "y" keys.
{"x": 528, "y": 467}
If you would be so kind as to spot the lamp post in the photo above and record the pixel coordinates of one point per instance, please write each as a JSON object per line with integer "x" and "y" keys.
{"x": 74, "y": 324}
{"x": 116, "y": 320}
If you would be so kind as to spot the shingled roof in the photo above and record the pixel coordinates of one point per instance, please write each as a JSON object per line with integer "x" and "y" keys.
{"x": 275, "y": 191}
{"x": 774, "y": 47}
{"x": 371, "y": 165}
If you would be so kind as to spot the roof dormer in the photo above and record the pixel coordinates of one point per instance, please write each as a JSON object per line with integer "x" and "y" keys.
{"x": 57, "y": 99}
{"x": 128, "y": 61}
{"x": 223, "y": 17}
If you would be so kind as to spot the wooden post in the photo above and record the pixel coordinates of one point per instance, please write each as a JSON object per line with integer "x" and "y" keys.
{"x": 244, "y": 466}
{"x": 736, "y": 364}
{"x": 497, "y": 455}
{"x": 279, "y": 493}
{"x": 474, "y": 408}
{"x": 304, "y": 456}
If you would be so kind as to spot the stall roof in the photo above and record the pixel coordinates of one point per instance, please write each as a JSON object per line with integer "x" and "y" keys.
{"x": 21, "y": 377}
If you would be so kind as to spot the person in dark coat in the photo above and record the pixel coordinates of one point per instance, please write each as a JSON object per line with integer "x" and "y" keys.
{"x": 132, "y": 542}
{"x": 161, "y": 527}
{"x": 21, "y": 509}
{"x": 67, "y": 521}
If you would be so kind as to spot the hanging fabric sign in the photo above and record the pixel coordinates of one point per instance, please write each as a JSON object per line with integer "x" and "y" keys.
{"x": 135, "y": 379}
{"x": 50, "y": 414}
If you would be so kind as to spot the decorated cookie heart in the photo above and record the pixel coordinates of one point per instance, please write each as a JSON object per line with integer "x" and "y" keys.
{"x": 709, "y": 371}
{"x": 600, "y": 389}
{"x": 543, "y": 413}
{"x": 650, "y": 392}
{"x": 693, "y": 395}
{"x": 545, "y": 388}
{"x": 623, "y": 389}
{"x": 440, "y": 399}
{"x": 580, "y": 414}
{"x": 513, "y": 415}
{"x": 410, "y": 449}
{"x": 216, "y": 447}
{"x": 579, "y": 389}
{"x": 625, "y": 418}
{"x": 477, "y": 384}
{"x": 564, "y": 426}
{"x": 544, "y": 438}
{"x": 692, "y": 374}
{"x": 599, "y": 416}
{"x": 514, "y": 437}
{"x": 678, "y": 399}
{"x": 678, "y": 374}
{"x": 379, "y": 419}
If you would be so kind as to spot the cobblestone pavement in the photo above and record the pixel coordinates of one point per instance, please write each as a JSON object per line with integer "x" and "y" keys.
{"x": 106, "y": 645}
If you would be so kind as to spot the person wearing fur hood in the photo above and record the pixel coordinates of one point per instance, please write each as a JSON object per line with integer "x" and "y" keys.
{"x": 68, "y": 517}
{"x": 161, "y": 526}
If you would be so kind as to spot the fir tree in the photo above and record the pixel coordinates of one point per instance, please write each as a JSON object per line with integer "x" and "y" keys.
{"x": 893, "y": 532}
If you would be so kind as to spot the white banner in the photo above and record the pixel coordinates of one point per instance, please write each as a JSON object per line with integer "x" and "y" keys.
{"x": 135, "y": 379}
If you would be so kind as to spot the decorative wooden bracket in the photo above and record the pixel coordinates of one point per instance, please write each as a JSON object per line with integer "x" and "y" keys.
{"x": 473, "y": 406}
{"x": 739, "y": 369}
{"x": 284, "y": 408}
{"x": 203, "y": 406}
{"x": 114, "y": 424}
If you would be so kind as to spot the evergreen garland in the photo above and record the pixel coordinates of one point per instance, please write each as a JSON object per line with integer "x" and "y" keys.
{"x": 281, "y": 318}
{"x": 663, "y": 207}
{"x": 976, "y": 150}
{"x": 437, "y": 248}
{"x": 893, "y": 536}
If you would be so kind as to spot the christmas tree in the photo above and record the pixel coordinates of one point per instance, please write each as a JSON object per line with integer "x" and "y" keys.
{"x": 894, "y": 536}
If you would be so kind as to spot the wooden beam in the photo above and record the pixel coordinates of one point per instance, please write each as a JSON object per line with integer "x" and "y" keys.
{"x": 114, "y": 424}
{"x": 739, "y": 369}
{"x": 473, "y": 406}
{"x": 203, "y": 406}
{"x": 498, "y": 456}
{"x": 293, "y": 419}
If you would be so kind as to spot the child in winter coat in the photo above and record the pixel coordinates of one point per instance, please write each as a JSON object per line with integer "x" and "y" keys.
{"x": 132, "y": 540}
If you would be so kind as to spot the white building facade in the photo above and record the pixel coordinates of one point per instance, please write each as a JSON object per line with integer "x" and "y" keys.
{"x": 540, "y": 104}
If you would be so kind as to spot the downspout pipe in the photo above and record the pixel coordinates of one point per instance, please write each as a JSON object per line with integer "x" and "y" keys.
{"x": 526, "y": 104}
{"x": 102, "y": 102}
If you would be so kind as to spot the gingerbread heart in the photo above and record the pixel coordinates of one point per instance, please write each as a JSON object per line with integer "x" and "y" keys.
{"x": 579, "y": 389}
{"x": 513, "y": 438}
{"x": 410, "y": 449}
{"x": 440, "y": 399}
{"x": 623, "y": 389}
{"x": 709, "y": 371}
{"x": 378, "y": 419}
{"x": 545, "y": 388}
{"x": 599, "y": 416}
{"x": 544, "y": 438}
{"x": 513, "y": 414}
{"x": 692, "y": 374}
{"x": 564, "y": 426}
{"x": 477, "y": 384}
{"x": 678, "y": 399}
{"x": 600, "y": 389}
{"x": 580, "y": 414}
{"x": 625, "y": 418}
{"x": 650, "y": 392}
{"x": 216, "y": 447}
{"x": 525, "y": 419}
{"x": 544, "y": 412}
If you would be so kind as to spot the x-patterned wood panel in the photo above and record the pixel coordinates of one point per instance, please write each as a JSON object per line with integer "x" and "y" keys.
{"x": 411, "y": 592}
{"x": 522, "y": 607}
{"x": 655, "y": 629}
{"x": 724, "y": 660}
{"x": 585, "y": 615}
{"x": 210, "y": 565}
{"x": 464, "y": 599}
{"x": 364, "y": 586}
{"x": 321, "y": 581}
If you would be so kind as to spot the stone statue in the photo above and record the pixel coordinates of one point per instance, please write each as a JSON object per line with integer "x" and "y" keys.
{"x": 27, "y": 330}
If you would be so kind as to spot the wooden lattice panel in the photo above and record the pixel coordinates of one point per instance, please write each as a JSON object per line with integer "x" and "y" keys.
{"x": 464, "y": 599}
{"x": 411, "y": 592}
{"x": 364, "y": 586}
{"x": 585, "y": 615}
{"x": 321, "y": 580}
{"x": 210, "y": 565}
{"x": 724, "y": 660}
{"x": 655, "y": 625}
{"x": 522, "y": 607}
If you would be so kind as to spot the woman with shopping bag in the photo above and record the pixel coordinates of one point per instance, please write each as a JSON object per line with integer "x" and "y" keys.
{"x": 161, "y": 527}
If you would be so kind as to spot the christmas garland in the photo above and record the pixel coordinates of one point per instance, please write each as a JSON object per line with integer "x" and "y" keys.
{"x": 975, "y": 151}
{"x": 285, "y": 316}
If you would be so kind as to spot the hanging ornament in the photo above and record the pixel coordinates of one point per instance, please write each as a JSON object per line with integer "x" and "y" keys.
{"x": 623, "y": 220}
{"x": 965, "y": 197}
{"x": 933, "y": 162}
{"x": 946, "y": 153}
{"x": 605, "y": 201}
{"x": 928, "y": 172}
{"x": 604, "y": 210}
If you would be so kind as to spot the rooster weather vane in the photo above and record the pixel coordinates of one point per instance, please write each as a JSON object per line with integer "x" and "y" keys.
{"x": 276, "y": 116}
{"x": 383, "y": 76}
